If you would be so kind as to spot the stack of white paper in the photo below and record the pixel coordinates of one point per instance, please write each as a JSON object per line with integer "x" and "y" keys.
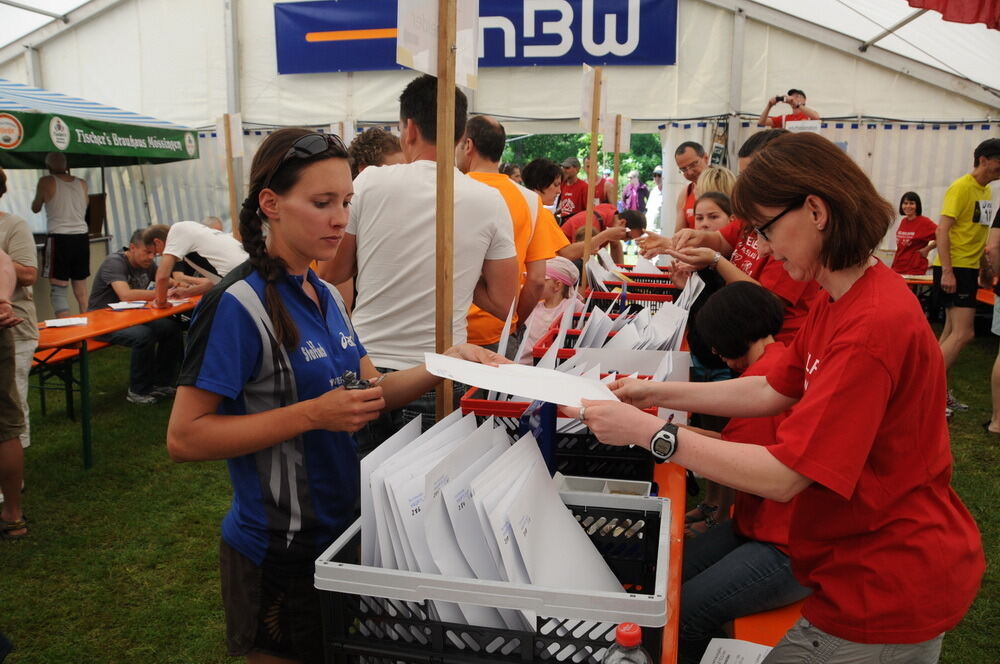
{"x": 122, "y": 306}
{"x": 65, "y": 322}
{"x": 460, "y": 500}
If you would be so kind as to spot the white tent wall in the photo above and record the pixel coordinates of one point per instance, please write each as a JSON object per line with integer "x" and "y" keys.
{"x": 163, "y": 55}
{"x": 897, "y": 156}
{"x": 15, "y": 70}
{"x": 839, "y": 85}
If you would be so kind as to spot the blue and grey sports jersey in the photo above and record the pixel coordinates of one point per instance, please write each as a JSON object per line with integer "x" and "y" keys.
{"x": 292, "y": 499}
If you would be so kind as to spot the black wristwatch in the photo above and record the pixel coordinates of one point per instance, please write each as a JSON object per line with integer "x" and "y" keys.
{"x": 664, "y": 442}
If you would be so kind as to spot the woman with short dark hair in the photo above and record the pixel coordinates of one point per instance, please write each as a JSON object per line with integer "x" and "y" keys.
{"x": 892, "y": 556}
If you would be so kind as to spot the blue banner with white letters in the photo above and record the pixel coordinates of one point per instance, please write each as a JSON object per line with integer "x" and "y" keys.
{"x": 360, "y": 35}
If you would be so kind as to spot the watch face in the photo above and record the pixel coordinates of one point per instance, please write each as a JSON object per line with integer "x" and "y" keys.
{"x": 663, "y": 444}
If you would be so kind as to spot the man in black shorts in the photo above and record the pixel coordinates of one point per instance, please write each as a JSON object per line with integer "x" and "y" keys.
{"x": 67, "y": 251}
{"x": 966, "y": 215}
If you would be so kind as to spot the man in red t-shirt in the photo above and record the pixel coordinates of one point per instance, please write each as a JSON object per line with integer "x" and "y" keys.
{"x": 691, "y": 160}
{"x": 797, "y": 100}
{"x": 573, "y": 194}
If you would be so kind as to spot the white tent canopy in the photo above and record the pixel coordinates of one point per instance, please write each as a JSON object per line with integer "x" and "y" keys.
{"x": 168, "y": 58}
{"x": 190, "y": 61}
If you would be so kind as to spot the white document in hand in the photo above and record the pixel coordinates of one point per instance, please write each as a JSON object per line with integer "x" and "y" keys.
{"x": 375, "y": 458}
{"x": 535, "y": 383}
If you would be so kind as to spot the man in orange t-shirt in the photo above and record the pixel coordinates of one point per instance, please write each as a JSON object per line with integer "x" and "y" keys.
{"x": 536, "y": 238}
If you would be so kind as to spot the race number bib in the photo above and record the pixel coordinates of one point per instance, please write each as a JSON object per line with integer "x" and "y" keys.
{"x": 984, "y": 213}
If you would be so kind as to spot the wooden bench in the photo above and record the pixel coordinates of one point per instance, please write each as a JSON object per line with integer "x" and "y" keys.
{"x": 58, "y": 363}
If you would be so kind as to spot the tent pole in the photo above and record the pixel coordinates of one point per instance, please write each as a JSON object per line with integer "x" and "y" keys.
{"x": 595, "y": 122}
{"x": 35, "y": 10}
{"x": 736, "y": 85}
{"x": 888, "y": 31}
{"x": 447, "y": 20}
{"x": 234, "y": 102}
{"x": 618, "y": 155}
{"x": 230, "y": 176}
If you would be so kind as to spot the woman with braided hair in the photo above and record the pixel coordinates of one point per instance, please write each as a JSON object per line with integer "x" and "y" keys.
{"x": 263, "y": 386}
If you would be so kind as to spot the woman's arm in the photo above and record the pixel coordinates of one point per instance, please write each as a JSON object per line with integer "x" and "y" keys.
{"x": 701, "y": 257}
{"x": 750, "y": 396}
{"x": 402, "y": 387}
{"x": 196, "y": 432}
{"x": 745, "y": 467}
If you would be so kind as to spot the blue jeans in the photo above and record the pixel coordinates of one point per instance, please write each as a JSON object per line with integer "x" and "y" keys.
{"x": 726, "y": 576}
{"x": 157, "y": 349}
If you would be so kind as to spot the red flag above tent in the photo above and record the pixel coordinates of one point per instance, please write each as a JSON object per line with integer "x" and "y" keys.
{"x": 964, "y": 11}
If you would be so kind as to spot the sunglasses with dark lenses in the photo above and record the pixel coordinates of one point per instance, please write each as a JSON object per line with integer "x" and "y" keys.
{"x": 308, "y": 146}
{"x": 762, "y": 229}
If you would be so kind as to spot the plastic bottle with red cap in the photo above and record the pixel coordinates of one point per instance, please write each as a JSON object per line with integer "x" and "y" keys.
{"x": 627, "y": 648}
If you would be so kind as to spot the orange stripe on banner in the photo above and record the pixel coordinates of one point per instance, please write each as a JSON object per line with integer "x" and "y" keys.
{"x": 352, "y": 35}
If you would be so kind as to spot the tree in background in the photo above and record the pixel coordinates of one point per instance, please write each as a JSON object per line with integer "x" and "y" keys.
{"x": 646, "y": 152}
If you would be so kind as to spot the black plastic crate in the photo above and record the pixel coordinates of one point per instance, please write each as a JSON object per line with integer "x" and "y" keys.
{"x": 578, "y": 454}
{"x": 364, "y": 629}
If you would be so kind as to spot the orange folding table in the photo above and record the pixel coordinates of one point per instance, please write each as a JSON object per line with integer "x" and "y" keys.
{"x": 99, "y": 322}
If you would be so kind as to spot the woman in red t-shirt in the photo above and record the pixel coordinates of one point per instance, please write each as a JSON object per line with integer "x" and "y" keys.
{"x": 914, "y": 237}
{"x": 892, "y": 556}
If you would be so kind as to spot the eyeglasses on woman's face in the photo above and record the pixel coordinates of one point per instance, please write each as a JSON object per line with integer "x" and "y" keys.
{"x": 762, "y": 229}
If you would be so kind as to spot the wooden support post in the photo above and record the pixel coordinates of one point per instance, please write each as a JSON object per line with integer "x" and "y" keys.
{"x": 447, "y": 19}
{"x": 234, "y": 209}
{"x": 595, "y": 120}
{"x": 618, "y": 153}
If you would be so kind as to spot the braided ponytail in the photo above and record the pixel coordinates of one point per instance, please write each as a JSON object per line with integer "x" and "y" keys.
{"x": 271, "y": 169}
{"x": 271, "y": 268}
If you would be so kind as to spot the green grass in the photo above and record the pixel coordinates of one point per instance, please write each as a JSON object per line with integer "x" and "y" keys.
{"x": 121, "y": 563}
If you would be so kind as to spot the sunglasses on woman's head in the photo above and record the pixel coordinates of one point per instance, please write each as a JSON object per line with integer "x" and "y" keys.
{"x": 308, "y": 146}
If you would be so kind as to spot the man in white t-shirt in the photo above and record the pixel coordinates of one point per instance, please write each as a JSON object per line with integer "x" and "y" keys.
{"x": 211, "y": 254}
{"x": 390, "y": 243}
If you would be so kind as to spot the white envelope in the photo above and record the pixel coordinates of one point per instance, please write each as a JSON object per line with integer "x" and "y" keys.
{"x": 369, "y": 534}
{"x": 404, "y": 486}
{"x": 389, "y": 539}
{"x": 548, "y": 361}
{"x": 556, "y": 551}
